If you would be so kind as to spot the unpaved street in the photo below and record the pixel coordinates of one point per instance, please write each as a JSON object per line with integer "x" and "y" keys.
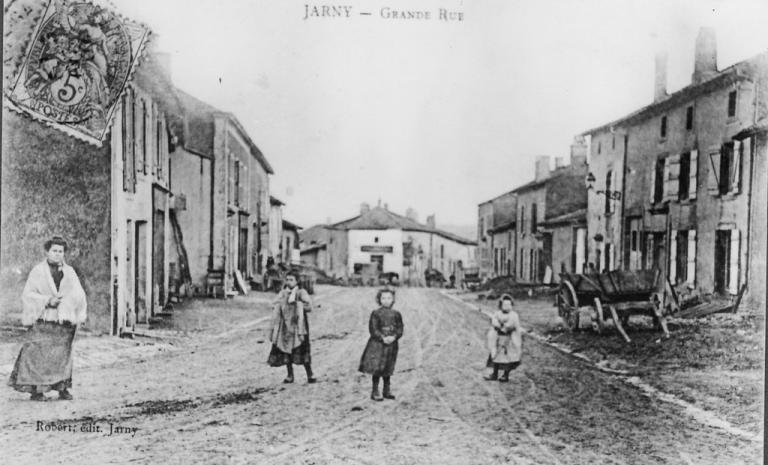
{"x": 210, "y": 398}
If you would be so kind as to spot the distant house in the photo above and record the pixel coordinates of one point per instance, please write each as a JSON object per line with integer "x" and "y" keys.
{"x": 390, "y": 242}
{"x": 496, "y": 236}
{"x": 289, "y": 243}
{"x": 274, "y": 243}
{"x": 545, "y": 236}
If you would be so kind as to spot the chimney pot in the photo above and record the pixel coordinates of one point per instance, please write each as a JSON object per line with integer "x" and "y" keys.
{"x": 705, "y": 60}
{"x": 578, "y": 151}
{"x": 660, "y": 84}
{"x": 431, "y": 221}
{"x": 542, "y": 167}
{"x": 364, "y": 208}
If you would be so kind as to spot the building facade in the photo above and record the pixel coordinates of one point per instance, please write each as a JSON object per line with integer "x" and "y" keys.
{"x": 542, "y": 248}
{"x": 111, "y": 203}
{"x": 225, "y": 179}
{"x": 686, "y": 167}
{"x": 496, "y": 220}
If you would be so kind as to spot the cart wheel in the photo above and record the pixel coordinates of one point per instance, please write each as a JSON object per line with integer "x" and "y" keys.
{"x": 568, "y": 306}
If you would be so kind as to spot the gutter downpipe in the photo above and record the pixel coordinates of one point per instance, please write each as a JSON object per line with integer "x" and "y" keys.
{"x": 622, "y": 216}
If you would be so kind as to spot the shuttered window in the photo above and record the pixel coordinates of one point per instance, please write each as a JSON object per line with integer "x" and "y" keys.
{"x": 693, "y": 174}
{"x": 684, "y": 177}
{"x": 671, "y": 177}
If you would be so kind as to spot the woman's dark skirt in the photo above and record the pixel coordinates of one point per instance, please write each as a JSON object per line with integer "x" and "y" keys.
{"x": 45, "y": 360}
{"x": 299, "y": 356}
{"x": 501, "y": 366}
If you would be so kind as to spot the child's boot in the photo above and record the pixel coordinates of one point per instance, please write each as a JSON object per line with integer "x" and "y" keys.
{"x": 289, "y": 379}
{"x": 375, "y": 391}
{"x": 387, "y": 389}
{"x": 310, "y": 378}
{"x": 505, "y": 377}
{"x": 493, "y": 376}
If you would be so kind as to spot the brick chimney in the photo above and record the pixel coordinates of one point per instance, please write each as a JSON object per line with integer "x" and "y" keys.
{"x": 705, "y": 63}
{"x": 364, "y": 208}
{"x": 542, "y": 167}
{"x": 660, "y": 84}
{"x": 431, "y": 221}
{"x": 411, "y": 214}
{"x": 578, "y": 151}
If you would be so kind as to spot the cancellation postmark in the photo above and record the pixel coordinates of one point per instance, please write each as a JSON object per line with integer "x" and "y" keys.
{"x": 75, "y": 68}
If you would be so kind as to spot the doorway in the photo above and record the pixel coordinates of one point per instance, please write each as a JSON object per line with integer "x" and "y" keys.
{"x": 722, "y": 260}
{"x": 158, "y": 258}
{"x": 140, "y": 272}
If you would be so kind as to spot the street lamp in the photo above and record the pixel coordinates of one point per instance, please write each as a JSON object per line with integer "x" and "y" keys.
{"x": 590, "y": 182}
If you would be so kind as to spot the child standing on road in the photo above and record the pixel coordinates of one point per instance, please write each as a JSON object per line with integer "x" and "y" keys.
{"x": 504, "y": 340}
{"x": 380, "y": 355}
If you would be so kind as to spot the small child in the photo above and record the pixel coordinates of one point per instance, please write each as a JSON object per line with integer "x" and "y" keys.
{"x": 380, "y": 355}
{"x": 504, "y": 340}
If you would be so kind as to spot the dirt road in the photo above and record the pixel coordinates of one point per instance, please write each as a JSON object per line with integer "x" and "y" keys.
{"x": 213, "y": 400}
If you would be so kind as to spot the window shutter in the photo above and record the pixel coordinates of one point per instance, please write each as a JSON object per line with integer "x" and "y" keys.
{"x": 733, "y": 272}
{"x": 672, "y": 178}
{"x": 735, "y": 181}
{"x": 693, "y": 174}
{"x": 714, "y": 173}
{"x": 649, "y": 251}
{"x": 673, "y": 256}
{"x": 653, "y": 182}
{"x": 692, "y": 256}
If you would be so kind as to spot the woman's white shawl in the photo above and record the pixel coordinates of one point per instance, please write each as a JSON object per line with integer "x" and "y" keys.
{"x": 40, "y": 288}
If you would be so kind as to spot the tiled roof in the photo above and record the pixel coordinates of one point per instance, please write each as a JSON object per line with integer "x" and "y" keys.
{"x": 737, "y": 72}
{"x": 288, "y": 225}
{"x": 380, "y": 218}
{"x": 577, "y": 216}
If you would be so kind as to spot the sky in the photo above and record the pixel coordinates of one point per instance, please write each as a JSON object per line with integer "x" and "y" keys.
{"x": 430, "y": 114}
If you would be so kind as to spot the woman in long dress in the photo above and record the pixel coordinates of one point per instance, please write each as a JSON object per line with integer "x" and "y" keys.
{"x": 54, "y": 303}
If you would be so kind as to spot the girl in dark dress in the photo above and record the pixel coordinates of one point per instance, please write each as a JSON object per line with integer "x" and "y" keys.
{"x": 380, "y": 355}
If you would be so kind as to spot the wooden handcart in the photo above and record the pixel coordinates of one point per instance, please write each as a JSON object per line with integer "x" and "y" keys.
{"x": 616, "y": 295}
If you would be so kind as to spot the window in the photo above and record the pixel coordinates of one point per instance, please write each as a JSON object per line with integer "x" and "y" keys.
{"x": 534, "y": 220}
{"x": 725, "y": 167}
{"x": 726, "y": 163}
{"x": 658, "y": 187}
{"x": 608, "y": 262}
{"x": 613, "y": 142}
{"x": 732, "y": 104}
{"x": 608, "y": 186}
{"x": 159, "y": 157}
{"x": 663, "y": 129}
{"x": 599, "y": 148}
{"x": 633, "y": 246}
{"x": 689, "y": 118}
{"x": 144, "y": 137}
{"x": 684, "y": 177}
{"x": 481, "y": 229}
{"x": 442, "y": 251}
{"x": 129, "y": 160}
{"x": 375, "y": 240}
{"x": 237, "y": 182}
{"x": 522, "y": 219}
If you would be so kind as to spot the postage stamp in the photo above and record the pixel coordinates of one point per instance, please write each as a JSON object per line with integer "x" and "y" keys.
{"x": 78, "y": 61}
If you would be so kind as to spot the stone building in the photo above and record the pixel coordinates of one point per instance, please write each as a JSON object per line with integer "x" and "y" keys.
{"x": 687, "y": 168}
{"x": 111, "y": 203}
{"x": 496, "y": 236}
{"x": 548, "y": 210}
{"x": 224, "y": 176}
